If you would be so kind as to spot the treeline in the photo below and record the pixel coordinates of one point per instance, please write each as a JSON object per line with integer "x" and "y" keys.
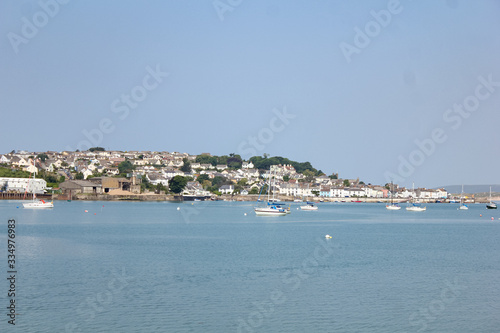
{"x": 265, "y": 163}
{"x": 233, "y": 161}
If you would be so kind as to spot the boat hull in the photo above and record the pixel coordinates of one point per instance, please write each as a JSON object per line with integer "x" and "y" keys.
{"x": 491, "y": 206}
{"x": 308, "y": 207}
{"x": 269, "y": 212}
{"x": 416, "y": 209}
{"x": 38, "y": 205}
{"x": 389, "y": 207}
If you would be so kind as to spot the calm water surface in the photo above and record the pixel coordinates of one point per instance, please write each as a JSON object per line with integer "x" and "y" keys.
{"x": 208, "y": 267}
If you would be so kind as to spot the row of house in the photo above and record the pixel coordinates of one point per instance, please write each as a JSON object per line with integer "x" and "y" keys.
{"x": 160, "y": 167}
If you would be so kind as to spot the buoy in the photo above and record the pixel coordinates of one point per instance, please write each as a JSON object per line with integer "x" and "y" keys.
{"x": 297, "y": 208}
{"x": 192, "y": 203}
{"x": 492, "y": 218}
{"x": 86, "y": 211}
{"x": 178, "y": 208}
{"x": 328, "y": 236}
{"x": 245, "y": 214}
{"x": 17, "y": 207}
{"x": 95, "y": 213}
{"x": 480, "y": 215}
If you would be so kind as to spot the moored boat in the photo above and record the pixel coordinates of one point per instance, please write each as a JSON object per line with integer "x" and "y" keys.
{"x": 491, "y": 204}
{"x": 309, "y": 206}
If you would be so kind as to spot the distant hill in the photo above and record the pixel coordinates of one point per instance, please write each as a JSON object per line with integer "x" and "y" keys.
{"x": 481, "y": 190}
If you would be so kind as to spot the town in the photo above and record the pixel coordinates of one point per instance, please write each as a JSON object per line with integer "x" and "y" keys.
{"x": 98, "y": 174}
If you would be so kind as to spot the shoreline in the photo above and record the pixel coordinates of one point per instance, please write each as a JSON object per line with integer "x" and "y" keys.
{"x": 227, "y": 197}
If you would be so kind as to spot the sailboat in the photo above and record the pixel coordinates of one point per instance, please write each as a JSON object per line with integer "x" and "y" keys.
{"x": 309, "y": 205}
{"x": 415, "y": 206}
{"x": 272, "y": 209}
{"x": 392, "y": 206}
{"x": 491, "y": 205}
{"x": 463, "y": 206}
{"x": 36, "y": 204}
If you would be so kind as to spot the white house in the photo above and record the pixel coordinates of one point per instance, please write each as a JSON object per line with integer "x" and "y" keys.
{"x": 31, "y": 168}
{"x": 247, "y": 165}
{"x": 4, "y": 159}
{"x": 226, "y": 189}
{"x": 23, "y": 184}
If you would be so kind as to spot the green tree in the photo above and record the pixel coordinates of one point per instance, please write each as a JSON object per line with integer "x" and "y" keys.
{"x": 42, "y": 157}
{"x": 202, "y": 178}
{"x": 286, "y": 178}
{"x": 309, "y": 175}
{"x": 93, "y": 149}
{"x": 177, "y": 184}
{"x": 206, "y": 184}
{"x": 126, "y": 167}
{"x": 160, "y": 187}
{"x": 234, "y": 161}
{"x": 79, "y": 176}
{"x": 254, "y": 190}
{"x": 186, "y": 167}
{"x": 62, "y": 179}
{"x": 346, "y": 183}
{"x": 334, "y": 176}
{"x": 243, "y": 182}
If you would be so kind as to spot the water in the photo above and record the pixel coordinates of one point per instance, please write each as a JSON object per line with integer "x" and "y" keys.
{"x": 148, "y": 267}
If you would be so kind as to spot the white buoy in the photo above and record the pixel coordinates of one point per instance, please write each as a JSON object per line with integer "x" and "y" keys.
{"x": 328, "y": 236}
{"x": 178, "y": 208}
{"x": 245, "y": 214}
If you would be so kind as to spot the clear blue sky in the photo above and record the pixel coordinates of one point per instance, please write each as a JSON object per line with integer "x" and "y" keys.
{"x": 354, "y": 112}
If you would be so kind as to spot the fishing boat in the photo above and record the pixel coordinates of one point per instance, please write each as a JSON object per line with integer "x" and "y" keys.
{"x": 415, "y": 206}
{"x": 491, "y": 205}
{"x": 309, "y": 206}
{"x": 36, "y": 204}
{"x": 392, "y": 205}
{"x": 463, "y": 206}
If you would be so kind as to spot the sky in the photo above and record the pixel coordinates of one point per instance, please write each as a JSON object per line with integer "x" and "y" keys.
{"x": 407, "y": 91}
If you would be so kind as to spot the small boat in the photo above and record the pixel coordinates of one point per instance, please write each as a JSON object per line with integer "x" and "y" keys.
{"x": 392, "y": 205}
{"x": 491, "y": 205}
{"x": 415, "y": 206}
{"x": 36, "y": 204}
{"x": 309, "y": 206}
{"x": 272, "y": 209}
{"x": 463, "y": 206}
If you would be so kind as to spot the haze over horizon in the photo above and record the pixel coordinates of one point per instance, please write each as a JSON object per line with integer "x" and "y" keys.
{"x": 381, "y": 90}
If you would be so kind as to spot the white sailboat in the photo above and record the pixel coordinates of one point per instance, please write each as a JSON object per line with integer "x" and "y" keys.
{"x": 36, "y": 204}
{"x": 392, "y": 206}
{"x": 272, "y": 209}
{"x": 463, "y": 206}
{"x": 414, "y": 205}
{"x": 309, "y": 206}
{"x": 491, "y": 205}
